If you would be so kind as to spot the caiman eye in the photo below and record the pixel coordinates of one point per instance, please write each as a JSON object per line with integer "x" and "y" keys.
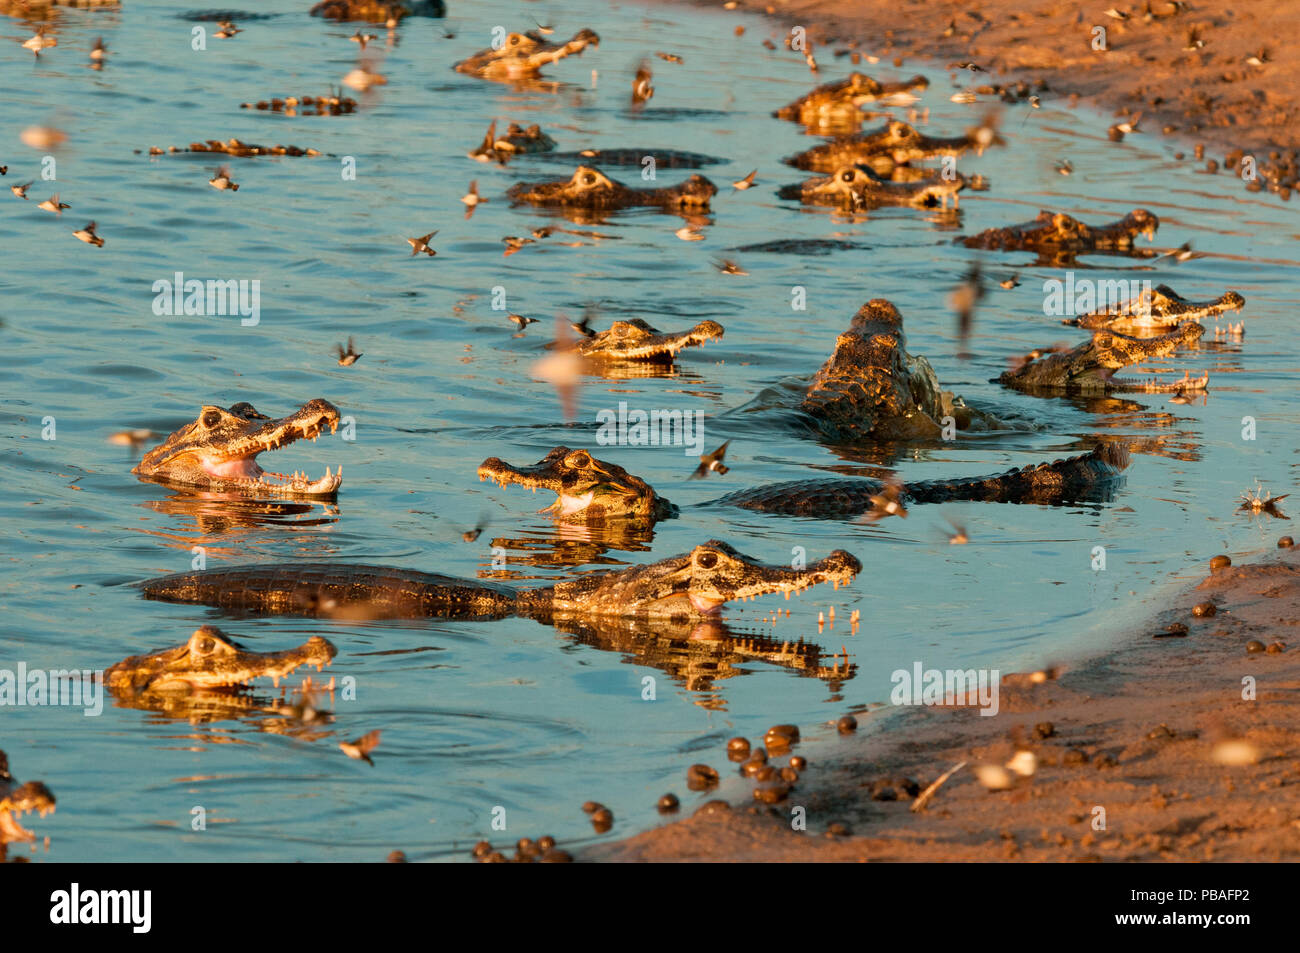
{"x": 205, "y": 645}
{"x": 589, "y": 178}
{"x": 514, "y": 39}
{"x": 848, "y": 175}
{"x": 1105, "y": 340}
{"x": 580, "y": 460}
{"x": 211, "y": 418}
{"x": 707, "y": 560}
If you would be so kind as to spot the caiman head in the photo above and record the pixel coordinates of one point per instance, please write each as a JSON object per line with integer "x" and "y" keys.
{"x": 523, "y": 55}
{"x": 377, "y": 11}
{"x": 210, "y": 660}
{"x": 697, "y": 583}
{"x": 1058, "y": 231}
{"x": 1158, "y": 307}
{"x": 857, "y": 186}
{"x": 846, "y": 96}
{"x": 591, "y": 188}
{"x": 587, "y": 489}
{"x": 635, "y": 340}
{"x": 218, "y": 451}
{"x": 17, "y": 800}
{"x": 871, "y": 387}
{"x": 1092, "y": 365}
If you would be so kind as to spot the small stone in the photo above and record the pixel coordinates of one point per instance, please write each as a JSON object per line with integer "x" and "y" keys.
{"x": 1203, "y": 610}
{"x": 781, "y": 736}
{"x": 1175, "y": 630}
{"x": 1220, "y": 562}
{"x": 482, "y": 849}
{"x": 1275, "y": 648}
{"x": 496, "y": 857}
{"x": 591, "y": 807}
{"x": 790, "y": 775}
{"x": 546, "y": 842}
{"x": 668, "y": 804}
{"x": 847, "y": 725}
{"x": 602, "y": 820}
{"x": 1074, "y": 756}
{"x": 738, "y": 749}
{"x": 798, "y": 763}
{"x": 712, "y": 807}
{"x": 766, "y": 773}
{"x": 1286, "y": 542}
{"x": 1254, "y": 646}
{"x": 837, "y": 829}
{"x": 701, "y": 777}
{"x": 397, "y": 857}
{"x": 1212, "y": 166}
{"x": 1044, "y": 729}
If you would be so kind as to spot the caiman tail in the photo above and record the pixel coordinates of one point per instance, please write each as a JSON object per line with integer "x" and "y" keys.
{"x": 335, "y": 590}
{"x": 1089, "y": 477}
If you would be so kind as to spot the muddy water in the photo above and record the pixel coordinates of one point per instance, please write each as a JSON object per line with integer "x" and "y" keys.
{"x": 512, "y": 714}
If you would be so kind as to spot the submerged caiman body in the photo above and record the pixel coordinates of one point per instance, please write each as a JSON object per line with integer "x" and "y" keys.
{"x": 859, "y": 187}
{"x": 633, "y": 158}
{"x": 522, "y": 55}
{"x": 893, "y": 144}
{"x": 589, "y": 490}
{"x": 693, "y": 585}
{"x": 1156, "y": 309}
{"x": 1058, "y": 232}
{"x": 590, "y": 188}
{"x": 376, "y": 11}
{"x": 1090, "y": 367}
{"x": 841, "y": 102}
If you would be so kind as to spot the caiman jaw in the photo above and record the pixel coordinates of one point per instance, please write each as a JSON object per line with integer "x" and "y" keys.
{"x": 32, "y": 796}
{"x": 219, "y": 450}
{"x": 582, "y": 484}
{"x": 209, "y": 660}
{"x": 719, "y": 574}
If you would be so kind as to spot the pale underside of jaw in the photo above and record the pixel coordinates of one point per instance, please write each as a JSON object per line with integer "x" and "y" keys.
{"x": 566, "y": 505}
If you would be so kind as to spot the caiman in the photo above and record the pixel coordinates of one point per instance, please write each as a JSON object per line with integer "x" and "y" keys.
{"x": 516, "y": 141}
{"x": 523, "y": 55}
{"x": 1058, "y": 232}
{"x": 893, "y": 144}
{"x": 1156, "y": 310}
{"x": 858, "y": 187}
{"x": 693, "y": 585}
{"x": 841, "y": 101}
{"x": 635, "y": 340}
{"x": 210, "y": 659}
{"x": 872, "y": 389}
{"x": 1090, "y": 367}
{"x": 590, "y": 188}
{"x": 634, "y": 158}
{"x": 219, "y": 450}
{"x": 593, "y": 491}
{"x": 15, "y": 801}
{"x": 378, "y": 11}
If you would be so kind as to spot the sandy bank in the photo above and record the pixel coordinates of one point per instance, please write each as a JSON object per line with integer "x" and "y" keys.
{"x": 1143, "y": 734}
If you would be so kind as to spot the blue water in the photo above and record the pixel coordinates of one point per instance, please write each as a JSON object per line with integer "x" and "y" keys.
{"x": 511, "y": 713}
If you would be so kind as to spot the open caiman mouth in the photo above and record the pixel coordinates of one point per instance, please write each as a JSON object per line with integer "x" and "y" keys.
{"x": 219, "y": 451}
{"x": 209, "y": 660}
{"x": 17, "y": 800}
